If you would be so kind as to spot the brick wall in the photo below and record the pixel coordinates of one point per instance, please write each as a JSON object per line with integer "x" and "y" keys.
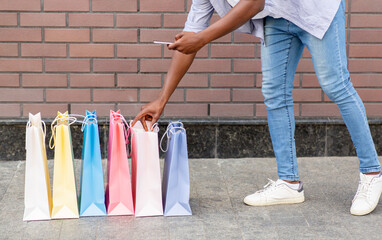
{"x": 98, "y": 54}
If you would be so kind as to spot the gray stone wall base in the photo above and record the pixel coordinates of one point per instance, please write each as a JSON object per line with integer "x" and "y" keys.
{"x": 219, "y": 139}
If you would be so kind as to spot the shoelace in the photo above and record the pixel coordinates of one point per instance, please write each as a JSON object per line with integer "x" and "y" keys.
{"x": 362, "y": 191}
{"x": 268, "y": 186}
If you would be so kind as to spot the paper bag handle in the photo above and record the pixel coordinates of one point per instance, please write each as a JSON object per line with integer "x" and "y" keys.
{"x": 166, "y": 134}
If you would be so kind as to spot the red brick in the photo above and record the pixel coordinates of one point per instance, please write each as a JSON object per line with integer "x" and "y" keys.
{"x": 310, "y": 80}
{"x": 232, "y": 80}
{"x": 174, "y": 20}
{"x": 370, "y": 95}
{"x": 231, "y": 110}
{"x": 68, "y": 95}
{"x": 139, "y": 20}
{"x": 9, "y": 50}
{"x": 44, "y": 80}
{"x": 115, "y": 65}
{"x": 148, "y": 95}
{"x": 91, "y": 20}
{"x": 115, "y": 35}
{"x": 46, "y": 110}
{"x": 42, "y": 19}
{"x": 21, "y": 95}
{"x": 373, "y": 109}
{"x": 139, "y": 80}
{"x": 365, "y": 50}
{"x": 139, "y": 50}
{"x": 365, "y": 35}
{"x": 10, "y": 110}
{"x": 202, "y": 53}
{"x": 230, "y": 51}
{"x": 247, "y": 95}
{"x": 211, "y": 65}
{"x": 305, "y": 65}
{"x": 307, "y": 95}
{"x": 8, "y": 19}
{"x": 91, "y": 80}
{"x": 115, "y": 95}
{"x": 367, "y": 80}
{"x": 103, "y": 110}
{"x": 114, "y": 6}
{"x": 20, "y": 65}
{"x": 154, "y": 65}
{"x": 20, "y": 35}
{"x": 67, "y": 35}
{"x": 365, "y": 65}
{"x": 306, "y": 53}
{"x": 208, "y": 95}
{"x": 162, "y": 6}
{"x": 43, "y": 50}
{"x": 186, "y": 110}
{"x": 366, "y": 6}
{"x": 245, "y": 38}
{"x": 66, "y": 5}
{"x": 91, "y": 50}
{"x": 194, "y": 80}
{"x": 366, "y": 21}
{"x": 320, "y": 110}
{"x": 67, "y": 65}
{"x": 20, "y": 5}
{"x": 247, "y": 65}
{"x": 130, "y": 110}
{"x": 9, "y": 80}
{"x": 149, "y": 35}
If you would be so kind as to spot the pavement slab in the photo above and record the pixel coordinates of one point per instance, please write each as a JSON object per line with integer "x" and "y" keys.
{"x": 218, "y": 187}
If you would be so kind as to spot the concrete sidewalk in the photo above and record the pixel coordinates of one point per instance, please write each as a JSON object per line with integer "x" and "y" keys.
{"x": 217, "y": 189}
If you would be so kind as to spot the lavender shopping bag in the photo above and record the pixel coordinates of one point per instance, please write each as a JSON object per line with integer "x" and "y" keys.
{"x": 176, "y": 177}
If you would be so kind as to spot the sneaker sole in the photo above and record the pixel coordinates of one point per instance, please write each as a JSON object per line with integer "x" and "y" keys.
{"x": 365, "y": 212}
{"x": 285, "y": 201}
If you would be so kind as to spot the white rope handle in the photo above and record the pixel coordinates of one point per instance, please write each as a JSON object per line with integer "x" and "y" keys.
{"x": 70, "y": 118}
{"x": 166, "y": 134}
{"x": 126, "y": 127}
{"x": 88, "y": 118}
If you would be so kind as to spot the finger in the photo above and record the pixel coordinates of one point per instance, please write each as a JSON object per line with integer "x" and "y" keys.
{"x": 179, "y": 35}
{"x": 172, "y": 46}
{"x": 139, "y": 116}
{"x": 144, "y": 123}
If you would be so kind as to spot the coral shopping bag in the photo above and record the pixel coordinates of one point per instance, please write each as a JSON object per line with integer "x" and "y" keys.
{"x": 176, "y": 175}
{"x": 64, "y": 183}
{"x": 37, "y": 198}
{"x": 92, "y": 194}
{"x": 145, "y": 166}
{"x": 119, "y": 199}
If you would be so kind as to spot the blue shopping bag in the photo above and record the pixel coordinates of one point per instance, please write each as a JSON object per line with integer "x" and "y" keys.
{"x": 176, "y": 176}
{"x": 92, "y": 193}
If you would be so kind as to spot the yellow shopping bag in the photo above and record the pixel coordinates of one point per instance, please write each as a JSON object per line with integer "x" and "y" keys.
{"x": 64, "y": 184}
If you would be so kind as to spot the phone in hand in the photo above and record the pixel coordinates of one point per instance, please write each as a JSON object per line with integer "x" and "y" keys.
{"x": 164, "y": 43}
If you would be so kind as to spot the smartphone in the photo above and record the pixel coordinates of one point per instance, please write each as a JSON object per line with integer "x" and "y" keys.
{"x": 164, "y": 43}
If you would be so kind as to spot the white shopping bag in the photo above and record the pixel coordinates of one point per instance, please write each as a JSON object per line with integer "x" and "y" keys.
{"x": 38, "y": 200}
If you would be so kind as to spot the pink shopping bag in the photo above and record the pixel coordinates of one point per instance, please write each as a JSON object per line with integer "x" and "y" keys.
{"x": 119, "y": 200}
{"x": 146, "y": 180}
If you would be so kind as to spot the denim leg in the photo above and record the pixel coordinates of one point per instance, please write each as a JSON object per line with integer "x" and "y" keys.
{"x": 279, "y": 59}
{"x": 330, "y": 64}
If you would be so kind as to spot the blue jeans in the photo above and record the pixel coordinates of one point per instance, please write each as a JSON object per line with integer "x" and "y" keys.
{"x": 284, "y": 44}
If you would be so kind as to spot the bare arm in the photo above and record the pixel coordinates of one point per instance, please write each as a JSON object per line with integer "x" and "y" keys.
{"x": 236, "y": 17}
{"x": 187, "y": 44}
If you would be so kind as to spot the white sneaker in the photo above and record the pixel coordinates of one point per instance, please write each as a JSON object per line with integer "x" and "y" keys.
{"x": 275, "y": 193}
{"x": 368, "y": 194}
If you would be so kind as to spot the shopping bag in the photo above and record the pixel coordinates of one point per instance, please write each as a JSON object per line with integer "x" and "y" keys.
{"x": 92, "y": 194}
{"x": 37, "y": 196}
{"x": 64, "y": 183}
{"x": 176, "y": 175}
{"x": 119, "y": 199}
{"x": 145, "y": 166}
